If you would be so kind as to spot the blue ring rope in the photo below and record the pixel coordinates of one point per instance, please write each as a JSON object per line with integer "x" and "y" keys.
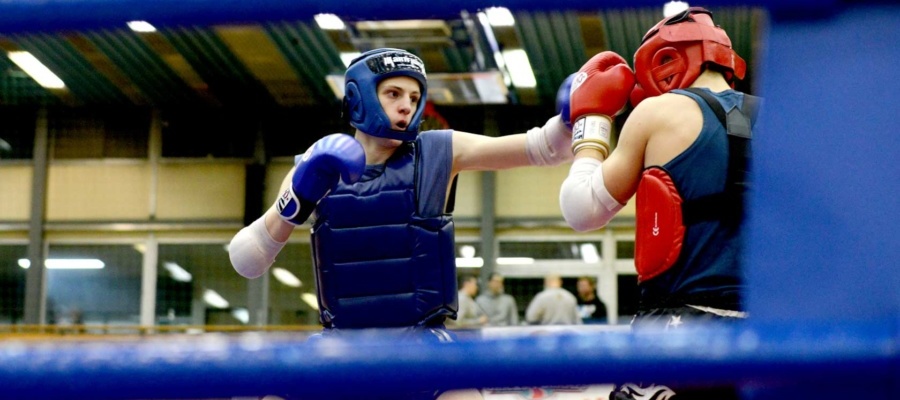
{"x": 377, "y": 362}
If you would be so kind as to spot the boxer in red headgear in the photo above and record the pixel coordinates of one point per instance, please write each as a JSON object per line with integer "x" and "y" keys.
{"x": 675, "y": 154}
{"x": 684, "y": 154}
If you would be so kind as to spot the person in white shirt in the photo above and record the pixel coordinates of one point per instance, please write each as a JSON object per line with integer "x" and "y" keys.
{"x": 554, "y": 305}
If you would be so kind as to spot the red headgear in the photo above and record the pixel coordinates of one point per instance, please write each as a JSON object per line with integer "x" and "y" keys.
{"x": 674, "y": 52}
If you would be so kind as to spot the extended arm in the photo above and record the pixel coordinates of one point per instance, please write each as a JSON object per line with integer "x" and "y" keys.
{"x": 545, "y": 145}
{"x": 597, "y": 187}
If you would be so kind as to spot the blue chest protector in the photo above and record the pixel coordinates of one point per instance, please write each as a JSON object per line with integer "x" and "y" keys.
{"x": 383, "y": 247}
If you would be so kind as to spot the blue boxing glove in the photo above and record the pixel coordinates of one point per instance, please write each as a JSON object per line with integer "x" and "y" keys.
{"x": 336, "y": 156}
{"x": 562, "y": 100}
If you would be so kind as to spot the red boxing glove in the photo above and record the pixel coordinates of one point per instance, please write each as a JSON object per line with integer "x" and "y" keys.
{"x": 600, "y": 91}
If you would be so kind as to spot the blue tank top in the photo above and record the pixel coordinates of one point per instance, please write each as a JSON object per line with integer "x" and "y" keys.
{"x": 383, "y": 247}
{"x": 708, "y": 271}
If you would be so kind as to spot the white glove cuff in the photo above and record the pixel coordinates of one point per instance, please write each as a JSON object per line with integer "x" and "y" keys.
{"x": 550, "y": 144}
{"x": 592, "y": 131}
{"x": 252, "y": 250}
{"x": 585, "y": 202}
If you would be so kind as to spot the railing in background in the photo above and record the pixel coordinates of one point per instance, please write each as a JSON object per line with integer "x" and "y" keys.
{"x": 110, "y": 331}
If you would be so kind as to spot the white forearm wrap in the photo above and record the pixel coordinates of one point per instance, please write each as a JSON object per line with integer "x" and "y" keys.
{"x": 252, "y": 250}
{"x": 549, "y": 144}
{"x": 592, "y": 132}
{"x": 586, "y": 204}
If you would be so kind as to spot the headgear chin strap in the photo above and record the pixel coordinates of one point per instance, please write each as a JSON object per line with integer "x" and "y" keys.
{"x": 673, "y": 53}
{"x": 361, "y": 102}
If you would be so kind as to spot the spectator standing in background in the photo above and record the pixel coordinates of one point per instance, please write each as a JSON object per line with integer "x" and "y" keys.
{"x": 554, "y": 305}
{"x": 500, "y": 307}
{"x": 470, "y": 315}
{"x": 590, "y": 307}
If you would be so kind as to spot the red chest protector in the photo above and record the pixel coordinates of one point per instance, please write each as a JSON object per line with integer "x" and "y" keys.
{"x": 659, "y": 225}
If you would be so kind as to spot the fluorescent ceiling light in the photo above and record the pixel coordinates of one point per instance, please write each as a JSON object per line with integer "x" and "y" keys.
{"x": 348, "y": 57}
{"x": 336, "y": 83}
{"x": 478, "y": 262}
{"x": 470, "y": 262}
{"x": 66, "y": 263}
{"x": 589, "y": 253}
{"x": 241, "y": 314}
{"x": 214, "y": 299}
{"x": 519, "y": 68}
{"x": 310, "y": 300}
{"x": 74, "y": 263}
{"x": 674, "y": 7}
{"x": 37, "y": 70}
{"x": 500, "y": 16}
{"x": 501, "y": 64}
{"x": 467, "y": 251}
{"x": 141, "y": 26}
{"x": 140, "y": 247}
{"x": 178, "y": 274}
{"x": 438, "y": 26}
{"x": 329, "y": 22}
{"x": 286, "y": 277}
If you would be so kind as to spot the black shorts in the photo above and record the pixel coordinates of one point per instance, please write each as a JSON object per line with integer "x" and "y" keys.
{"x": 675, "y": 317}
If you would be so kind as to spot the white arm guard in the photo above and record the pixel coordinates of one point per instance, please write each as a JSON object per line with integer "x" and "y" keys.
{"x": 550, "y": 144}
{"x": 252, "y": 250}
{"x": 585, "y": 202}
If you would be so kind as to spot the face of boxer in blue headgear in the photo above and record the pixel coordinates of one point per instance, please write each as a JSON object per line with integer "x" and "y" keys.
{"x": 384, "y": 93}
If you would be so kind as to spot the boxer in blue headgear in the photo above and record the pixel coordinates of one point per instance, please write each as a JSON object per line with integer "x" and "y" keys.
{"x": 361, "y": 103}
{"x": 383, "y": 233}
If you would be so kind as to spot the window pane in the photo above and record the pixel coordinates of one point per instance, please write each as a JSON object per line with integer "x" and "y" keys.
{"x": 290, "y": 304}
{"x": 221, "y": 133}
{"x": 12, "y": 284}
{"x": 523, "y": 290}
{"x": 108, "y": 295}
{"x": 552, "y": 250}
{"x": 196, "y": 285}
{"x": 625, "y": 250}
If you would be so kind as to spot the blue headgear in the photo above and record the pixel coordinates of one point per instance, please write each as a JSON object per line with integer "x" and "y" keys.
{"x": 361, "y": 96}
